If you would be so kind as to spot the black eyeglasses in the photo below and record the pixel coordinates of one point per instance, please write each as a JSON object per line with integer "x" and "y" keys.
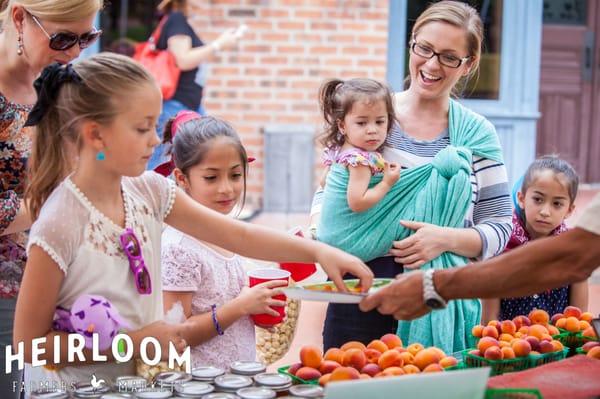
{"x": 61, "y": 41}
{"x": 448, "y": 60}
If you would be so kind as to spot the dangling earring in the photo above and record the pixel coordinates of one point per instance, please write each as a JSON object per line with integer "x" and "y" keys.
{"x": 20, "y": 44}
{"x": 100, "y": 156}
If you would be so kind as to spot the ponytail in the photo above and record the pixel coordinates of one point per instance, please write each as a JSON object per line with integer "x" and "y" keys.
{"x": 330, "y": 108}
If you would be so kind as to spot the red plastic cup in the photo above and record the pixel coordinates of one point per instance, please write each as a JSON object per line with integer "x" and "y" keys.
{"x": 260, "y": 276}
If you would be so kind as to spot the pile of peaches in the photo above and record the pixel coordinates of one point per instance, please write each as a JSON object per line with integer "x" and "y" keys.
{"x": 383, "y": 357}
{"x": 574, "y": 320}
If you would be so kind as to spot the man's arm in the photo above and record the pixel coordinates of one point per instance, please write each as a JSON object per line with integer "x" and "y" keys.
{"x": 541, "y": 264}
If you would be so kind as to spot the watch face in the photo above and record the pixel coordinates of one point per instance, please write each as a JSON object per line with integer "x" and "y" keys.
{"x": 434, "y": 303}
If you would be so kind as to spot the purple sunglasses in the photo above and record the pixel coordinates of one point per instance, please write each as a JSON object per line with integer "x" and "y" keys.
{"x": 133, "y": 250}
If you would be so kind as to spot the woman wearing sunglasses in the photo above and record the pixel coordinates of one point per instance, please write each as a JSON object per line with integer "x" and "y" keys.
{"x": 33, "y": 34}
{"x": 445, "y": 49}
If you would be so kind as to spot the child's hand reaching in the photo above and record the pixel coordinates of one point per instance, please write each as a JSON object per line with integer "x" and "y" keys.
{"x": 391, "y": 173}
{"x": 164, "y": 333}
{"x": 258, "y": 299}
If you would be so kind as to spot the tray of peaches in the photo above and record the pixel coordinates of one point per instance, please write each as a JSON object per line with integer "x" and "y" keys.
{"x": 328, "y": 292}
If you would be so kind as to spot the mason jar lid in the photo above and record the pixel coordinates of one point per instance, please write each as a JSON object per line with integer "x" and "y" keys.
{"x": 193, "y": 389}
{"x": 153, "y": 393}
{"x": 220, "y": 395}
{"x": 206, "y": 373}
{"x": 49, "y": 394}
{"x": 273, "y": 379}
{"x": 247, "y": 367}
{"x": 129, "y": 383}
{"x": 116, "y": 395}
{"x": 171, "y": 378}
{"x": 233, "y": 381}
{"x": 86, "y": 390}
{"x": 256, "y": 393}
{"x": 307, "y": 391}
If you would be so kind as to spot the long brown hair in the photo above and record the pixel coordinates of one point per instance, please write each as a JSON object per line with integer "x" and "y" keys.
{"x": 105, "y": 79}
{"x": 336, "y": 98}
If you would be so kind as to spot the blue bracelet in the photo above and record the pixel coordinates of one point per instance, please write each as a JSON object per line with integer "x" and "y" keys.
{"x": 215, "y": 321}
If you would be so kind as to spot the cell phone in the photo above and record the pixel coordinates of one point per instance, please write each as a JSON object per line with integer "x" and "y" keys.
{"x": 596, "y": 325}
{"x": 241, "y": 30}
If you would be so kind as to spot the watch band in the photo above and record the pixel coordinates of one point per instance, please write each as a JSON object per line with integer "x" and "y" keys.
{"x": 431, "y": 298}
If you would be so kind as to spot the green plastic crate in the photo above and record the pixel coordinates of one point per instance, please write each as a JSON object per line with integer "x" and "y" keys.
{"x": 572, "y": 340}
{"x": 498, "y": 366}
{"x": 507, "y": 393}
{"x": 296, "y": 380}
{"x": 543, "y": 358}
{"x": 579, "y": 351}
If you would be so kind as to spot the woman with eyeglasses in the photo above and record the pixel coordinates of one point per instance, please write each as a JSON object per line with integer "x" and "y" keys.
{"x": 33, "y": 34}
{"x": 458, "y": 208}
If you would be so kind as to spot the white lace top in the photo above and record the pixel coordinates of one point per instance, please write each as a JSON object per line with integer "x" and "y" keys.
{"x": 189, "y": 265}
{"x": 84, "y": 243}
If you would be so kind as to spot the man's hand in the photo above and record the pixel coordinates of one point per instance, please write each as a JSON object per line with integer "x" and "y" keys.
{"x": 402, "y": 298}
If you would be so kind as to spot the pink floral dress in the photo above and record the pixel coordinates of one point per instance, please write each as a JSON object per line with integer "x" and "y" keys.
{"x": 188, "y": 265}
{"x": 354, "y": 157}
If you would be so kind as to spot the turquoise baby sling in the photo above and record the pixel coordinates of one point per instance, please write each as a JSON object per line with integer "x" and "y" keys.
{"x": 438, "y": 193}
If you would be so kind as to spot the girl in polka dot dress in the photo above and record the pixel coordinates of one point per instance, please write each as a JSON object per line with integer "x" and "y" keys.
{"x": 545, "y": 200}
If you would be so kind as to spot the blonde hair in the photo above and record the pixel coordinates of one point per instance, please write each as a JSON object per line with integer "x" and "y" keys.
{"x": 462, "y": 16}
{"x": 52, "y": 10}
{"x": 106, "y": 78}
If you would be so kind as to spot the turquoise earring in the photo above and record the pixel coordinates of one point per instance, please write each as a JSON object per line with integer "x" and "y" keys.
{"x": 100, "y": 156}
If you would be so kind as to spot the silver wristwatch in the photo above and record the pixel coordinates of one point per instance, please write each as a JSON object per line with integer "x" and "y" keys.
{"x": 432, "y": 299}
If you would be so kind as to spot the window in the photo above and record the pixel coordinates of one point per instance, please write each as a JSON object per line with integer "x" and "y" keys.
{"x": 565, "y": 12}
{"x": 487, "y": 85}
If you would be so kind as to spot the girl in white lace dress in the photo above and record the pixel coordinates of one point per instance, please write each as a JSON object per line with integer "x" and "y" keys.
{"x": 209, "y": 162}
{"x": 95, "y": 124}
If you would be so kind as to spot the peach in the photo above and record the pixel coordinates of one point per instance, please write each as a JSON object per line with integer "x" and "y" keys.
{"x": 294, "y": 367}
{"x": 538, "y": 331}
{"x": 378, "y": 345}
{"x": 555, "y": 318}
{"x": 572, "y": 311}
{"x": 433, "y": 368}
{"x": 546, "y": 347}
{"x": 583, "y": 325}
{"x": 508, "y": 327}
{"x": 392, "y": 371}
{"x": 519, "y": 334}
{"x": 477, "y": 330}
{"x": 372, "y": 355}
{"x": 546, "y": 337}
{"x": 364, "y": 376}
{"x": 407, "y": 357}
{"x": 587, "y": 316}
{"x": 521, "y": 321}
{"x": 353, "y": 345}
{"x": 311, "y": 356}
{"x": 438, "y": 350}
{"x": 486, "y": 342}
{"x": 324, "y": 379}
{"x": 355, "y": 358}
{"x": 400, "y": 349}
{"x": 493, "y": 353}
{"x": 328, "y": 366}
{"x": 490, "y": 331}
{"x": 344, "y": 373}
{"x": 504, "y": 344}
{"x": 476, "y": 352}
{"x": 448, "y": 361}
{"x": 390, "y": 358}
{"x": 589, "y": 332}
{"x": 521, "y": 347}
{"x": 411, "y": 369}
{"x": 572, "y": 324}
{"x": 371, "y": 369}
{"x": 508, "y": 353}
{"x": 558, "y": 346}
{"x": 496, "y": 325}
{"x": 415, "y": 348}
{"x": 334, "y": 354}
{"x": 426, "y": 357}
{"x": 505, "y": 337}
{"x": 561, "y": 323}
{"x": 594, "y": 353}
{"x": 553, "y": 330}
{"x": 539, "y": 316}
{"x": 589, "y": 345}
{"x": 391, "y": 340}
{"x": 308, "y": 373}
{"x": 534, "y": 342}
{"x": 534, "y": 353}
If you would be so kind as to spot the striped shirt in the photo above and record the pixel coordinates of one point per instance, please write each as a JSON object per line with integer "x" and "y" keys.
{"x": 490, "y": 213}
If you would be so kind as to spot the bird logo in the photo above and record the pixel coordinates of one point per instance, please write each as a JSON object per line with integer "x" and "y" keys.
{"x": 96, "y": 383}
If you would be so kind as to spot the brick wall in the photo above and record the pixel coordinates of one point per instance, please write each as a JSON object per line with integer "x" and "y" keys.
{"x": 291, "y": 46}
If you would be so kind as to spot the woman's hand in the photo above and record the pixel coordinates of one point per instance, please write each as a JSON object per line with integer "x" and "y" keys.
{"x": 259, "y": 299}
{"x": 337, "y": 263}
{"x": 227, "y": 40}
{"x": 164, "y": 333}
{"x": 429, "y": 242}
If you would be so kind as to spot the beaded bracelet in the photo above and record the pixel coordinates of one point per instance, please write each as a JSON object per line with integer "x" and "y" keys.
{"x": 215, "y": 321}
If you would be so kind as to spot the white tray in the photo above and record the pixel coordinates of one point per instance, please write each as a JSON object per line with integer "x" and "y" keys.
{"x": 315, "y": 292}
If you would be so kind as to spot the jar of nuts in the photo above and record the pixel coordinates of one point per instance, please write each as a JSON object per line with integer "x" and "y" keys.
{"x": 150, "y": 372}
{"x": 273, "y": 343}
